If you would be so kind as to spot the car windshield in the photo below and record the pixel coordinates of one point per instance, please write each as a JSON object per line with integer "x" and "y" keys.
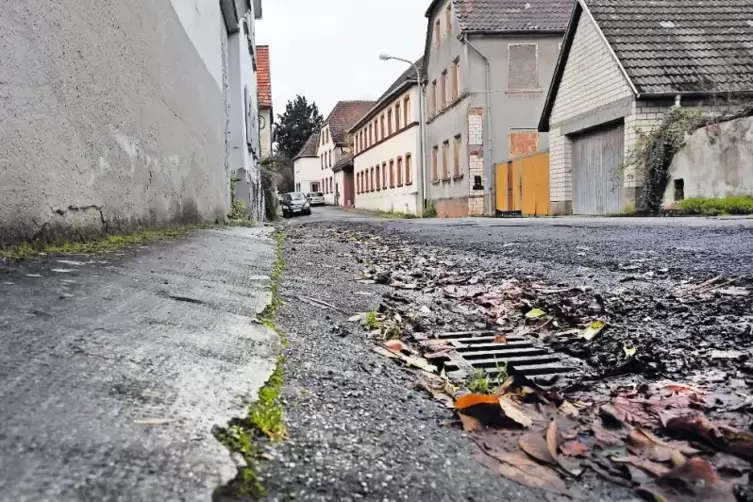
{"x": 297, "y": 196}
{"x": 317, "y": 194}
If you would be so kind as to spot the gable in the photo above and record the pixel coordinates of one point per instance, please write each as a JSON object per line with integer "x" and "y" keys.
{"x": 591, "y": 78}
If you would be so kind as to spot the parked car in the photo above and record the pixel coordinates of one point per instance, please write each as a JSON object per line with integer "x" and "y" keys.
{"x": 315, "y": 198}
{"x": 295, "y": 203}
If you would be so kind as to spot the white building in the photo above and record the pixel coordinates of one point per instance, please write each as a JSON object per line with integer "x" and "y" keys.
{"x": 386, "y": 144}
{"x": 334, "y": 144}
{"x": 243, "y": 104}
{"x": 306, "y": 168}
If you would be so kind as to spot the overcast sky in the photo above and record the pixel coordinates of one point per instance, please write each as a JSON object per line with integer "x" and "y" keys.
{"x": 328, "y": 50}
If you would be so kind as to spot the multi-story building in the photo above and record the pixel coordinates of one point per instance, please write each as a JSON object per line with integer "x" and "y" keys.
{"x": 487, "y": 66}
{"x": 334, "y": 143}
{"x": 266, "y": 115}
{"x": 307, "y": 172}
{"x": 386, "y": 143}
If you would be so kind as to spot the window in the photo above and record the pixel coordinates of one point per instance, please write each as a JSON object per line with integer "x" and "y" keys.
{"x": 400, "y": 166}
{"x": 408, "y": 169}
{"x": 371, "y": 181}
{"x": 399, "y": 174}
{"x": 406, "y": 110}
{"x": 433, "y": 98}
{"x": 455, "y": 80}
{"x": 329, "y": 158}
{"x": 378, "y": 179}
{"x": 522, "y": 67}
{"x": 381, "y": 119}
{"x": 371, "y": 136}
{"x": 437, "y": 33}
{"x": 392, "y": 177}
{"x": 448, "y": 19}
{"x": 443, "y": 89}
{"x": 376, "y": 131}
{"x": 397, "y": 116}
{"x": 322, "y": 138}
{"x": 679, "y": 189}
{"x": 456, "y": 156}
{"x": 384, "y": 175}
{"x": 445, "y": 162}
{"x": 321, "y": 161}
{"x": 389, "y": 122}
{"x": 327, "y": 135}
{"x": 358, "y": 183}
{"x": 434, "y": 163}
{"x": 523, "y": 142}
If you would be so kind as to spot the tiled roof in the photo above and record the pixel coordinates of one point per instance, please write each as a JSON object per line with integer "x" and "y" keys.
{"x": 676, "y": 46}
{"x": 263, "y": 76}
{"x": 408, "y": 75}
{"x": 343, "y": 116}
{"x": 309, "y": 147}
{"x": 345, "y": 161}
{"x": 498, "y": 16}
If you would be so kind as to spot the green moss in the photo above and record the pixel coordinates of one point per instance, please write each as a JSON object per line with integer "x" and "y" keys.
{"x": 265, "y": 419}
{"x": 714, "y": 207}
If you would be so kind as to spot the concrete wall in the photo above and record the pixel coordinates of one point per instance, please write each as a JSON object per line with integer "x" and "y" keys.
{"x": 716, "y": 162}
{"x": 307, "y": 170}
{"x": 111, "y": 116}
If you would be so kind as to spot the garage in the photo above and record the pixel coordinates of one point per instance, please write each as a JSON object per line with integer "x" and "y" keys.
{"x": 597, "y": 170}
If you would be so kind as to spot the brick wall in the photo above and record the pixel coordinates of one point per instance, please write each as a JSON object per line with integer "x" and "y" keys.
{"x": 476, "y": 151}
{"x": 644, "y": 117}
{"x": 476, "y": 206}
{"x": 453, "y": 208}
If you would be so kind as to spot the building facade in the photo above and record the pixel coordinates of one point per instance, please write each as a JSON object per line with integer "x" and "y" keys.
{"x": 124, "y": 128}
{"x": 386, "y": 145}
{"x": 335, "y": 142}
{"x": 307, "y": 172}
{"x": 605, "y": 91}
{"x": 486, "y": 70}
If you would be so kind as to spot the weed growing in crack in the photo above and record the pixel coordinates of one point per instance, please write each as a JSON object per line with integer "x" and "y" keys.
{"x": 479, "y": 382}
{"x": 265, "y": 420}
{"x": 371, "y": 320}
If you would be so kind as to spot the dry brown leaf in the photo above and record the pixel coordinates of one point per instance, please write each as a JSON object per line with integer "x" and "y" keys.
{"x": 604, "y": 437}
{"x": 693, "y": 481}
{"x": 499, "y": 339}
{"x": 153, "y": 421}
{"x": 515, "y": 412}
{"x": 648, "y": 466}
{"x": 386, "y": 353}
{"x": 574, "y": 448}
{"x": 470, "y": 424}
{"x": 568, "y": 409}
{"x": 469, "y": 400}
{"x": 535, "y": 445}
{"x": 553, "y": 439}
{"x": 519, "y": 468}
{"x": 397, "y": 346}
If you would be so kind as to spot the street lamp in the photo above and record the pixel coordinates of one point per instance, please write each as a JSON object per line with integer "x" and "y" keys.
{"x": 421, "y": 129}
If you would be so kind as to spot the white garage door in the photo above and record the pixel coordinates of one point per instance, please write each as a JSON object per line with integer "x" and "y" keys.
{"x": 597, "y": 171}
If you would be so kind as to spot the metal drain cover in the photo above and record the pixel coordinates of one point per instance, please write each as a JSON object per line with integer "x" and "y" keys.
{"x": 477, "y": 349}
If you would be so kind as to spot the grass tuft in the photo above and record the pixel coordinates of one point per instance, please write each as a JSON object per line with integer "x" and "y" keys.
{"x": 740, "y": 204}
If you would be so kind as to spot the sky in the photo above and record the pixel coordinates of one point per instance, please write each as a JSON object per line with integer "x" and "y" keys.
{"x": 328, "y": 50}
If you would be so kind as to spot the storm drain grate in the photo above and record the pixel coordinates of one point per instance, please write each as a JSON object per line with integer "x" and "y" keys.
{"x": 478, "y": 350}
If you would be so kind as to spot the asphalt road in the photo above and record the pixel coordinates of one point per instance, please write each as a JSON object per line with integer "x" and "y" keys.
{"x": 359, "y": 430}
{"x": 114, "y": 368}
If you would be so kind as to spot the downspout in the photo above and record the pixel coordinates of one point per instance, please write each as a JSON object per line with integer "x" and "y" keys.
{"x": 490, "y": 187}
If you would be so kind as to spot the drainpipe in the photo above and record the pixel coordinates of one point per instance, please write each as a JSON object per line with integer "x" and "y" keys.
{"x": 490, "y": 187}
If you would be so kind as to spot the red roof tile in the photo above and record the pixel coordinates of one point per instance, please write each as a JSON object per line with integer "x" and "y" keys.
{"x": 263, "y": 76}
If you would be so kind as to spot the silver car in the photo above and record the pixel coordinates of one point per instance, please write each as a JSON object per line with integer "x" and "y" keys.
{"x": 315, "y": 198}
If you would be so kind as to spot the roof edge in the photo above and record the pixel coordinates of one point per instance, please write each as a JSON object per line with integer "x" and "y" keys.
{"x": 381, "y": 105}
{"x": 545, "y": 31}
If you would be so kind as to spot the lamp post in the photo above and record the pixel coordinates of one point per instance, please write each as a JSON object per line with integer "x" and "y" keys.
{"x": 421, "y": 130}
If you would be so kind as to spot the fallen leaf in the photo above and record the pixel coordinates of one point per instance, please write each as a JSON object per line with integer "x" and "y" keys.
{"x": 153, "y": 421}
{"x": 421, "y": 363}
{"x": 694, "y": 481}
{"x": 629, "y": 351}
{"x": 535, "y": 314}
{"x": 536, "y": 446}
{"x": 470, "y": 424}
{"x": 574, "y": 448}
{"x": 396, "y": 345}
{"x": 569, "y": 409}
{"x": 386, "y": 353}
{"x": 519, "y": 468}
{"x": 515, "y": 412}
{"x": 648, "y": 466}
{"x": 593, "y": 330}
{"x": 469, "y": 400}
{"x": 553, "y": 439}
{"x": 499, "y": 339}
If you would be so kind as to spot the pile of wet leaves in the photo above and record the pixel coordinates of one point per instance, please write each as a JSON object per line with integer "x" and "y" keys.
{"x": 626, "y": 417}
